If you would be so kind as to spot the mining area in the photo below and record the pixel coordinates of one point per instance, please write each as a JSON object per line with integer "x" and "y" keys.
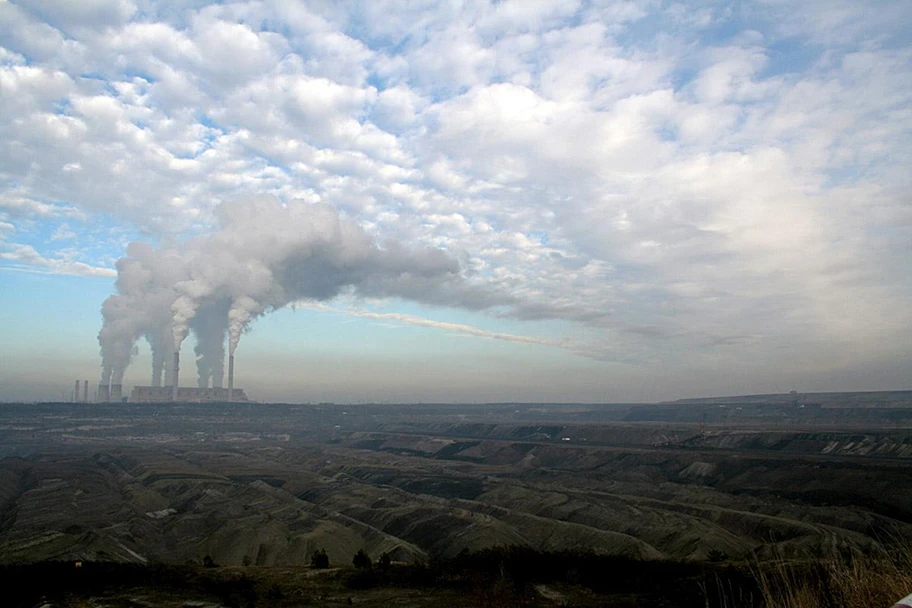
{"x": 228, "y": 504}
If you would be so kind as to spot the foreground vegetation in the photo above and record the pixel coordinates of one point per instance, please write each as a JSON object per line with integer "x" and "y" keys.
{"x": 493, "y": 577}
{"x": 857, "y": 582}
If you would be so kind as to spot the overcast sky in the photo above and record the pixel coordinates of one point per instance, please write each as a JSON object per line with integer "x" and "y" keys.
{"x": 670, "y": 199}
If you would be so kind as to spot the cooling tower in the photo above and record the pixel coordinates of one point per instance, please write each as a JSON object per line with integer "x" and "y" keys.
{"x": 116, "y": 392}
{"x": 230, "y": 377}
{"x": 85, "y": 391}
{"x": 176, "y": 375}
{"x": 104, "y": 393}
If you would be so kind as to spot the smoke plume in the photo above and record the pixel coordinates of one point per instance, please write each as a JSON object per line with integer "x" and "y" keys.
{"x": 263, "y": 256}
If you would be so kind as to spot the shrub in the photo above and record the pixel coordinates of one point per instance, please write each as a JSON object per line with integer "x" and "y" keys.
{"x": 319, "y": 559}
{"x": 716, "y": 555}
{"x": 362, "y": 560}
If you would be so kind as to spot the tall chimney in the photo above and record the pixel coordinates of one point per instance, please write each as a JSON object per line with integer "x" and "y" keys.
{"x": 104, "y": 393}
{"x": 176, "y": 375}
{"x": 76, "y": 393}
{"x": 230, "y": 378}
{"x": 85, "y": 391}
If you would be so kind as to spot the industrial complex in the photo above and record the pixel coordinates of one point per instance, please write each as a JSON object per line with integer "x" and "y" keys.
{"x": 156, "y": 393}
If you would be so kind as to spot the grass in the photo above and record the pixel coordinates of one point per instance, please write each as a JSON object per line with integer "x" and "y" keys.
{"x": 857, "y": 582}
{"x": 852, "y": 581}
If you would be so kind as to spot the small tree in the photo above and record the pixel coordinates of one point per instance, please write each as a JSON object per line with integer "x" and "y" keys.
{"x": 208, "y": 562}
{"x": 715, "y": 555}
{"x": 362, "y": 560}
{"x": 319, "y": 559}
{"x": 384, "y": 561}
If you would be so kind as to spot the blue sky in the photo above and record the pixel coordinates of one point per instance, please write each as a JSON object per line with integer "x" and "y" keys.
{"x": 656, "y": 199}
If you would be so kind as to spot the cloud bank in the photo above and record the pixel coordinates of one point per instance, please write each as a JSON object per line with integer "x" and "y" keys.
{"x": 721, "y": 187}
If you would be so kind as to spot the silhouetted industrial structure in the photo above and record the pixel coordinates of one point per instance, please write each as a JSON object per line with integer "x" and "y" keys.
{"x": 185, "y": 394}
{"x": 173, "y": 392}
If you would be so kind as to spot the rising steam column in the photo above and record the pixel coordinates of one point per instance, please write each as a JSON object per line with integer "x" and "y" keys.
{"x": 176, "y": 375}
{"x": 230, "y": 378}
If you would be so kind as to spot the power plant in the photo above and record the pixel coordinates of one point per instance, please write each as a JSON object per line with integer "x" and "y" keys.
{"x": 174, "y": 392}
{"x": 176, "y": 376}
{"x": 231, "y": 378}
{"x": 184, "y": 394}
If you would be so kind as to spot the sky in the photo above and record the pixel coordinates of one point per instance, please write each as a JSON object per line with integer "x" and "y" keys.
{"x": 628, "y": 201}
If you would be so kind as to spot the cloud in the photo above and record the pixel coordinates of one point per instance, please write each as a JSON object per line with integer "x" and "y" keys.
{"x": 731, "y": 183}
{"x": 63, "y": 233}
{"x": 460, "y": 329}
{"x": 27, "y": 259}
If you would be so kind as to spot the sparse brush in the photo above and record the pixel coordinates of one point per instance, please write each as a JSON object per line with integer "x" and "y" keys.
{"x": 859, "y": 581}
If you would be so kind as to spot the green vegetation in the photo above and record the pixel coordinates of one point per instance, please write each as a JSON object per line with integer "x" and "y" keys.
{"x": 319, "y": 559}
{"x": 492, "y": 577}
{"x": 362, "y": 560}
{"x": 715, "y": 555}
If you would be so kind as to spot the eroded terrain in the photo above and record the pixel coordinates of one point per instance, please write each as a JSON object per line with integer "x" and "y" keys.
{"x": 268, "y": 484}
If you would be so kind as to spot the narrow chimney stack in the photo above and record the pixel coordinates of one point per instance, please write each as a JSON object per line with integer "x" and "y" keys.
{"x": 76, "y": 393}
{"x": 230, "y": 378}
{"x": 85, "y": 391}
{"x": 176, "y": 375}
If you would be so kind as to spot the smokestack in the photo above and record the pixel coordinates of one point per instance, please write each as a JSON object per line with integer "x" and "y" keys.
{"x": 176, "y": 375}
{"x": 85, "y": 391}
{"x": 230, "y": 377}
{"x": 76, "y": 393}
{"x": 116, "y": 392}
{"x": 104, "y": 393}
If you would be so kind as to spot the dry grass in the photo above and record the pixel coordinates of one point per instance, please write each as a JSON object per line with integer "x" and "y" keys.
{"x": 860, "y": 582}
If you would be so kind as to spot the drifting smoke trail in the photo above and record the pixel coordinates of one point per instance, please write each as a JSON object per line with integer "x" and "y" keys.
{"x": 263, "y": 256}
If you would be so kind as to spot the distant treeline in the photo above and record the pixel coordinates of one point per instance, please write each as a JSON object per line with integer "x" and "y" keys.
{"x": 493, "y": 577}
{"x": 499, "y": 576}
{"x": 507, "y": 576}
{"x": 24, "y": 585}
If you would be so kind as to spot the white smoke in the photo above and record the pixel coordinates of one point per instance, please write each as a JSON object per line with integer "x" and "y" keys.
{"x": 242, "y": 310}
{"x": 209, "y": 327}
{"x": 263, "y": 256}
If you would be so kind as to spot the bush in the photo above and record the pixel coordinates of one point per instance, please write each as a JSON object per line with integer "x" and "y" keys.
{"x": 319, "y": 559}
{"x": 716, "y": 555}
{"x": 362, "y": 560}
{"x": 384, "y": 561}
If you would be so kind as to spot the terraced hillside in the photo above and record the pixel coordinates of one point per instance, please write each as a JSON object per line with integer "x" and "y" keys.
{"x": 267, "y": 485}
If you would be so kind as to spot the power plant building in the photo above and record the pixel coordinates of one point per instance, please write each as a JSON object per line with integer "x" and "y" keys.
{"x": 185, "y": 394}
{"x": 174, "y": 392}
